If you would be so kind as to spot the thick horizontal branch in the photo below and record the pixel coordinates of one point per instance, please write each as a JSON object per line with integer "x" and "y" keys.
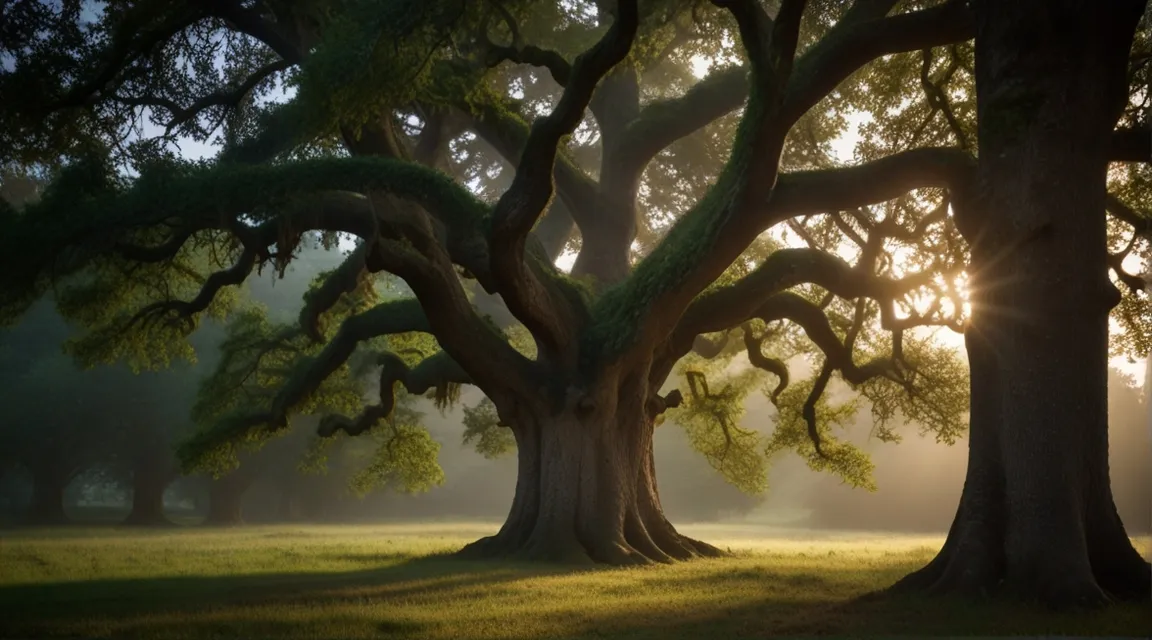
{"x": 400, "y": 316}
{"x": 216, "y": 197}
{"x": 344, "y": 279}
{"x": 250, "y": 22}
{"x": 811, "y": 318}
{"x": 185, "y": 311}
{"x": 847, "y": 188}
{"x": 732, "y": 305}
{"x": 555, "y": 63}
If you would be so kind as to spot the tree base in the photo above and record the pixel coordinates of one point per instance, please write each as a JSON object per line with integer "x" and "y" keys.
{"x": 1060, "y": 582}
{"x": 609, "y": 550}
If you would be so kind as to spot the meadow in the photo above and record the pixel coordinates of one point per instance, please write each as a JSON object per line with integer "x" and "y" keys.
{"x": 395, "y": 580}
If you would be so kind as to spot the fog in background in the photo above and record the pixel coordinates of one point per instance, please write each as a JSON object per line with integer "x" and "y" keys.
{"x": 919, "y": 480}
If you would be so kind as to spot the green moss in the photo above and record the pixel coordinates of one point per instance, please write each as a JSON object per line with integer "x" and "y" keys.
{"x": 619, "y": 313}
{"x": 199, "y": 192}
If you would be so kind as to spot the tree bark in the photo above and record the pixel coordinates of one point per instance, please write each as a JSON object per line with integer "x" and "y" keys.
{"x": 147, "y": 502}
{"x": 226, "y": 499}
{"x": 150, "y": 479}
{"x": 1036, "y": 517}
{"x": 586, "y": 489}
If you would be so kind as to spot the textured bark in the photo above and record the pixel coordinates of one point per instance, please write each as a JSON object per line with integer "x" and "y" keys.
{"x": 1036, "y": 517}
{"x": 586, "y": 488}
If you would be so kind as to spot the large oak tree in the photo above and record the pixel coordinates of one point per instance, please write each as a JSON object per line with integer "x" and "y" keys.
{"x": 1037, "y": 513}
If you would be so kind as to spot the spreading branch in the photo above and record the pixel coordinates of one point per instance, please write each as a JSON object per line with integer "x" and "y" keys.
{"x": 862, "y": 35}
{"x": 753, "y": 346}
{"x": 230, "y": 97}
{"x": 344, "y": 279}
{"x": 521, "y": 53}
{"x": 184, "y": 312}
{"x": 249, "y": 22}
{"x": 531, "y": 189}
{"x": 139, "y": 33}
{"x": 734, "y": 304}
{"x": 401, "y": 316}
{"x": 433, "y": 372}
{"x": 814, "y": 192}
{"x": 502, "y": 128}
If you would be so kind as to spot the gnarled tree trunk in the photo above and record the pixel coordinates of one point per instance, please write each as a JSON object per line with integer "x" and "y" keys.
{"x": 1036, "y": 516}
{"x": 586, "y": 489}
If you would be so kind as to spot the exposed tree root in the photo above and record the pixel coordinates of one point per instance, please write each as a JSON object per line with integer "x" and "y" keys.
{"x": 608, "y": 549}
{"x": 974, "y": 563}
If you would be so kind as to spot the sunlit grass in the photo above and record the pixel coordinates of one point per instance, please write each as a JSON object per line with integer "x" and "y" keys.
{"x": 393, "y": 580}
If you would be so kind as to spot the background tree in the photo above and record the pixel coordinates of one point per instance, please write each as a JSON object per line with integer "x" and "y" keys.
{"x": 48, "y": 432}
{"x": 63, "y": 421}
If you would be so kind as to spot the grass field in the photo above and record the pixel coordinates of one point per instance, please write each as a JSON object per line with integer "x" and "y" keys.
{"x": 393, "y": 581}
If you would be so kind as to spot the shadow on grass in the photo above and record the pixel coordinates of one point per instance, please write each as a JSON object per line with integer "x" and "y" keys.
{"x": 440, "y": 596}
{"x": 838, "y": 604}
{"x": 50, "y": 609}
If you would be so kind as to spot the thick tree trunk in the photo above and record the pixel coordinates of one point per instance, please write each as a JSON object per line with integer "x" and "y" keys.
{"x": 147, "y": 503}
{"x": 586, "y": 489}
{"x": 226, "y": 499}
{"x": 150, "y": 479}
{"x": 47, "y": 506}
{"x": 1036, "y": 517}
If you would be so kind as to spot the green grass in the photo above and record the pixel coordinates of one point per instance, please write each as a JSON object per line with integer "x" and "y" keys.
{"x": 393, "y": 581}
